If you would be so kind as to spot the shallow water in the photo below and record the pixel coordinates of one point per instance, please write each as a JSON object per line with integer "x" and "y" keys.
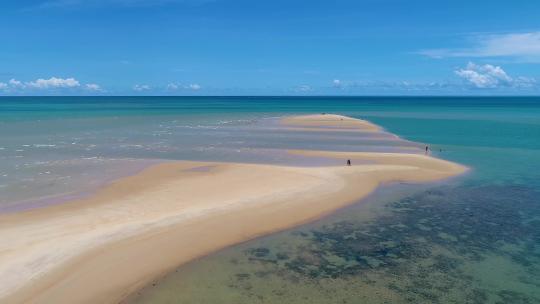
{"x": 475, "y": 239}
{"x": 57, "y": 146}
{"x": 447, "y": 244}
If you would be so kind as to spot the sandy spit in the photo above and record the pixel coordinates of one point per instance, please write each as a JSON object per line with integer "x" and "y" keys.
{"x": 102, "y": 248}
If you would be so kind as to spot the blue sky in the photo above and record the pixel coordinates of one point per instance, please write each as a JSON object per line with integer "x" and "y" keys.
{"x": 294, "y": 47}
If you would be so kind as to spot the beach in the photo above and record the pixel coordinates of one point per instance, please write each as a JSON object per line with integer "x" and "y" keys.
{"x": 269, "y": 152}
{"x": 102, "y": 248}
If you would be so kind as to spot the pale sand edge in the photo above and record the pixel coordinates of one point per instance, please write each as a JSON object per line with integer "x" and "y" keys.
{"x": 108, "y": 273}
{"x": 336, "y": 122}
{"x": 88, "y": 278}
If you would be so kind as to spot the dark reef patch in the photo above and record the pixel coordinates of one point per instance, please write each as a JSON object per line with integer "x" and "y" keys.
{"x": 462, "y": 244}
{"x": 421, "y": 246}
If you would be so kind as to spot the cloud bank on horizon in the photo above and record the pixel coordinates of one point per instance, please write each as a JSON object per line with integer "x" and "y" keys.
{"x": 241, "y": 47}
{"x": 53, "y": 84}
{"x": 489, "y": 76}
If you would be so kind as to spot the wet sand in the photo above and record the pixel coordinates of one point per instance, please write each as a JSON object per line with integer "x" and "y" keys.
{"x": 102, "y": 248}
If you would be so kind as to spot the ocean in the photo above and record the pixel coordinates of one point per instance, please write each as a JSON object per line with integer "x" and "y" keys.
{"x": 55, "y": 149}
{"x": 473, "y": 239}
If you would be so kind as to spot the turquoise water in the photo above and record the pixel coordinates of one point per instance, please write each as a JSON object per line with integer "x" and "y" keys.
{"x": 53, "y": 146}
{"x": 471, "y": 240}
{"x": 54, "y": 149}
{"x": 501, "y": 143}
{"x": 498, "y": 136}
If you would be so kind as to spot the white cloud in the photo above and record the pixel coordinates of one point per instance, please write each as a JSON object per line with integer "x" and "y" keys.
{"x": 15, "y": 83}
{"x": 393, "y": 86}
{"x": 54, "y": 82}
{"x": 93, "y": 87}
{"x": 172, "y": 86}
{"x": 337, "y": 83}
{"x": 194, "y": 87}
{"x": 176, "y": 86}
{"x": 303, "y": 88}
{"x": 525, "y": 82}
{"x": 141, "y": 87}
{"x": 490, "y": 76}
{"x": 3, "y": 86}
{"x": 525, "y": 46}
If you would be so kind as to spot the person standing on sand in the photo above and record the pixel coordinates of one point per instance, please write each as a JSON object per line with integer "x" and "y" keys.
{"x": 427, "y": 150}
{"x": 348, "y": 162}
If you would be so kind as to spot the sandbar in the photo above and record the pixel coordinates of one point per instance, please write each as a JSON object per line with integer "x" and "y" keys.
{"x": 102, "y": 248}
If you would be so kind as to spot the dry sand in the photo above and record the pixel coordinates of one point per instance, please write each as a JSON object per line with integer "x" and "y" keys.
{"x": 100, "y": 249}
{"x": 320, "y": 122}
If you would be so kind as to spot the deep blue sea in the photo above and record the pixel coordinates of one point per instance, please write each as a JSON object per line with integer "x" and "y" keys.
{"x": 474, "y": 240}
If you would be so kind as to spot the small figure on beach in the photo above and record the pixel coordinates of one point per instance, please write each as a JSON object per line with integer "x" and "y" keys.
{"x": 427, "y": 150}
{"x": 348, "y": 162}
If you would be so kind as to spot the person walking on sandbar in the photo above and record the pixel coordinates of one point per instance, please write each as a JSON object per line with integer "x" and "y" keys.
{"x": 348, "y": 162}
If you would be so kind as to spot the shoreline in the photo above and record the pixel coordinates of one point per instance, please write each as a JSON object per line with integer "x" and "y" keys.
{"x": 76, "y": 195}
{"x": 141, "y": 226}
{"x": 381, "y": 191}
